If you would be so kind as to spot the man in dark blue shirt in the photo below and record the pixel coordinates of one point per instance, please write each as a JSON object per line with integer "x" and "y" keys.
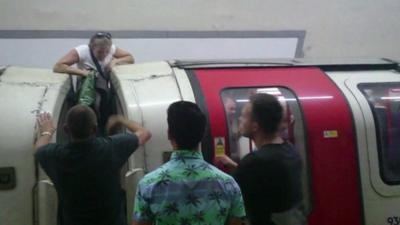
{"x": 86, "y": 171}
{"x": 270, "y": 177}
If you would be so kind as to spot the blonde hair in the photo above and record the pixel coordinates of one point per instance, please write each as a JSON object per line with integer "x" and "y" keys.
{"x": 100, "y": 39}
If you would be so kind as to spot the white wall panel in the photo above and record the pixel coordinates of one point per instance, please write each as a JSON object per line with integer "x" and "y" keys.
{"x": 356, "y": 28}
{"x": 45, "y": 52}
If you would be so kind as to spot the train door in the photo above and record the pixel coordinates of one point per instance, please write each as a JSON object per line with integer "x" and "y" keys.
{"x": 313, "y": 106}
{"x": 375, "y": 101}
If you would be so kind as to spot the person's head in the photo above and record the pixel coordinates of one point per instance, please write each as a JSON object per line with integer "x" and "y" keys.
{"x": 228, "y": 98}
{"x": 81, "y": 122}
{"x": 263, "y": 114}
{"x": 230, "y": 105}
{"x": 100, "y": 44}
{"x": 186, "y": 124}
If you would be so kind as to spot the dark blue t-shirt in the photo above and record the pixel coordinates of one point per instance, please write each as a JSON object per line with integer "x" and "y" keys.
{"x": 270, "y": 180}
{"x": 86, "y": 176}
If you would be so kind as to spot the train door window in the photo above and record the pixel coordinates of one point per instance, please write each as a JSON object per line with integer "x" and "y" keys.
{"x": 384, "y": 101}
{"x": 292, "y": 128}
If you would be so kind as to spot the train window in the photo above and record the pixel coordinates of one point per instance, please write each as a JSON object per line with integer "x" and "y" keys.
{"x": 384, "y": 100}
{"x": 292, "y": 130}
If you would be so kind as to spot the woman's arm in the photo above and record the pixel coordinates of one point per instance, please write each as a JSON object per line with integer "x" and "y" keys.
{"x": 121, "y": 57}
{"x": 64, "y": 65}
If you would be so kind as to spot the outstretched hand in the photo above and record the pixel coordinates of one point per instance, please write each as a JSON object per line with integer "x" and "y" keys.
{"x": 225, "y": 160}
{"x": 45, "y": 122}
{"x": 46, "y": 129}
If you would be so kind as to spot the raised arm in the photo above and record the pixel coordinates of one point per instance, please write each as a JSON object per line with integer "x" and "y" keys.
{"x": 64, "y": 65}
{"x": 226, "y": 161}
{"x": 115, "y": 122}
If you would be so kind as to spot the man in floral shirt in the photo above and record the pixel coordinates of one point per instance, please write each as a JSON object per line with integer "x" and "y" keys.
{"x": 187, "y": 189}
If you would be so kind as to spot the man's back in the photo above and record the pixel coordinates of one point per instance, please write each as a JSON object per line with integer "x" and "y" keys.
{"x": 86, "y": 176}
{"x": 270, "y": 179}
{"x": 188, "y": 190}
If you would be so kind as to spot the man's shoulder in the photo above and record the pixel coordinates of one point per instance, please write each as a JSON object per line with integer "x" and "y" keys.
{"x": 275, "y": 156}
{"x": 283, "y": 150}
{"x": 46, "y": 149}
{"x": 169, "y": 170}
{"x": 48, "y": 152}
{"x": 251, "y": 158}
{"x": 114, "y": 144}
{"x": 121, "y": 137}
{"x": 218, "y": 173}
{"x": 229, "y": 184}
{"x": 155, "y": 175}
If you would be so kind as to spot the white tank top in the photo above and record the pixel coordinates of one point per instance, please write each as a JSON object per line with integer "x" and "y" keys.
{"x": 85, "y": 60}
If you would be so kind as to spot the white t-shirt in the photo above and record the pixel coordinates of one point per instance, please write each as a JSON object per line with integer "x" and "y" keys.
{"x": 85, "y": 60}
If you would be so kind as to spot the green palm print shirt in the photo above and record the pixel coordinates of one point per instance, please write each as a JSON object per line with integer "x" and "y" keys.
{"x": 188, "y": 190}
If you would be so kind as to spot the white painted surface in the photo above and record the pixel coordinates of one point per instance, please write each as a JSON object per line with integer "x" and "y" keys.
{"x": 147, "y": 103}
{"x": 16, "y": 138}
{"x": 138, "y": 87}
{"x": 45, "y": 52}
{"x": 24, "y": 92}
{"x": 356, "y": 28}
{"x": 185, "y": 87}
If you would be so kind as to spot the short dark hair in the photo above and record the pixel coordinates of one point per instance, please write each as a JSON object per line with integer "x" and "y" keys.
{"x": 267, "y": 112}
{"x": 186, "y": 124}
{"x": 81, "y": 120}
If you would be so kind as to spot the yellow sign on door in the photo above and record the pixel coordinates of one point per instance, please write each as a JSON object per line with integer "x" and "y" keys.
{"x": 331, "y": 134}
{"x": 219, "y": 144}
